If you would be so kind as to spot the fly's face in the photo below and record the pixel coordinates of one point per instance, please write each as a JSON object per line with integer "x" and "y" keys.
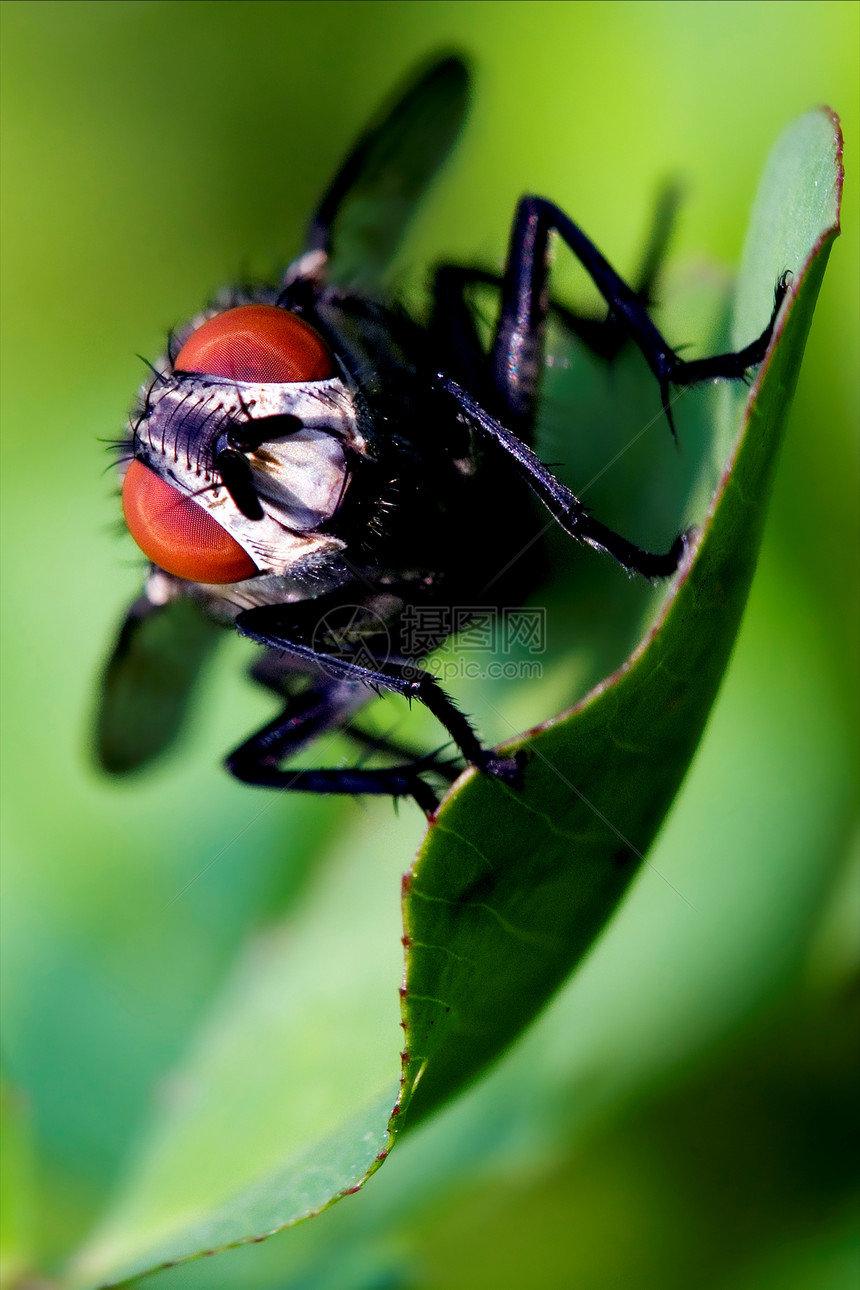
{"x": 243, "y": 451}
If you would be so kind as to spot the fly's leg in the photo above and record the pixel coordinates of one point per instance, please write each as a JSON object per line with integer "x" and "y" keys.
{"x": 392, "y": 781}
{"x": 306, "y": 716}
{"x": 518, "y": 345}
{"x": 270, "y": 672}
{"x": 462, "y": 356}
{"x": 324, "y": 706}
{"x": 517, "y": 361}
{"x": 393, "y": 748}
{"x": 564, "y": 506}
{"x": 268, "y": 625}
{"x": 452, "y": 328}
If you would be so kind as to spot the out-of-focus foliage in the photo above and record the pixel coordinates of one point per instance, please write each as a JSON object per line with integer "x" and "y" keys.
{"x": 154, "y": 151}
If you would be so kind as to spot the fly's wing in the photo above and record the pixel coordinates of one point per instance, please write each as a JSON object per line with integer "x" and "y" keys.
{"x": 365, "y": 211}
{"x": 149, "y": 681}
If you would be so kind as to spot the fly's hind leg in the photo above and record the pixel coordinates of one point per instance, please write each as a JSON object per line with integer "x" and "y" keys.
{"x": 462, "y": 355}
{"x": 563, "y": 505}
{"x": 280, "y": 629}
{"x": 517, "y": 362}
{"x": 387, "y": 747}
{"x": 517, "y": 349}
{"x": 324, "y": 707}
{"x": 270, "y": 672}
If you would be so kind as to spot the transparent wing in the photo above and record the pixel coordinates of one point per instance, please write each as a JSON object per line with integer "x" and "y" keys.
{"x": 149, "y": 681}
{"x": 365, "y": 211}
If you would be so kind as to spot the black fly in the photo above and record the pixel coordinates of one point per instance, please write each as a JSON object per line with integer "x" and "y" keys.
{"x": 311, "y": 465}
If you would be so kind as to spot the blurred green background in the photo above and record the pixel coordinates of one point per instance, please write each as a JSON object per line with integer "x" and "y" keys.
{"x": 680, "y": 1115}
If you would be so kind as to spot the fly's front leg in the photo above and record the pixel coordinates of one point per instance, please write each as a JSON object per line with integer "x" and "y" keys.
{"x": 268, "y": 626}
{"x": 518, "y": 346}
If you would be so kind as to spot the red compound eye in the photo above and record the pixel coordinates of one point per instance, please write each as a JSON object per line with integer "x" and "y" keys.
{"x": 177, "y": 534}
{"x": 257, "y": 343}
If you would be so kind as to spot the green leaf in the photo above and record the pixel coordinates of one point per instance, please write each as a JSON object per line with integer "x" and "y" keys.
{"x": 286, "y": 1102}
{"x": 282, "y": 1102}
{"x": 511, "y": 889}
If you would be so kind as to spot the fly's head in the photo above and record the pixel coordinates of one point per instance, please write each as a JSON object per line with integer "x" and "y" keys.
{"x": 242, "y": 453}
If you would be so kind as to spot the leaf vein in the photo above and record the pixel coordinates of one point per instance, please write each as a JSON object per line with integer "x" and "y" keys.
{"x": 443, "y": 949}
{"x": 518, "y": 933}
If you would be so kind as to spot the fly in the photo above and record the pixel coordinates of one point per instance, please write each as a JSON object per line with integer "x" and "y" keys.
{"x": 312, "y": 466}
